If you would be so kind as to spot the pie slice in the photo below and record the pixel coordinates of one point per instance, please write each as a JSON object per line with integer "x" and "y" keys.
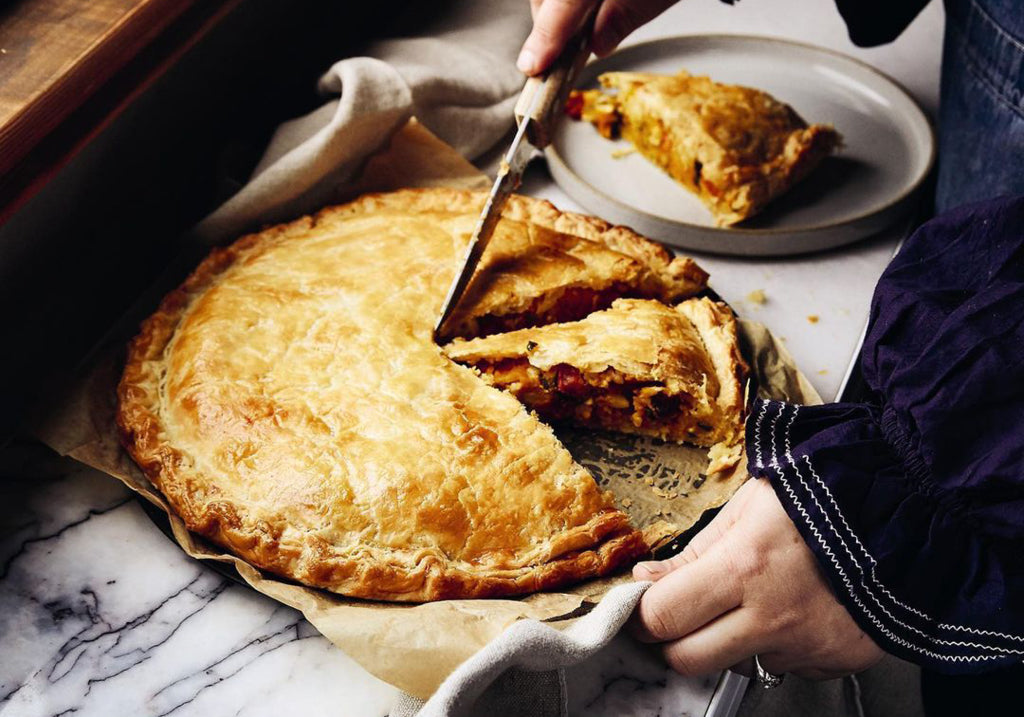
{"x": 545, "y": 266}
{"x": 639, "y": 367}
{"x": 290, "y": 403}
{"x": 735, "y": 147}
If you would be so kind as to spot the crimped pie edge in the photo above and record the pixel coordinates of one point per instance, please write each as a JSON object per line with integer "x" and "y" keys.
{"x": 386, "y": 577}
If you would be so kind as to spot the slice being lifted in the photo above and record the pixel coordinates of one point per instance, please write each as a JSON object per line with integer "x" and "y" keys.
{"x": 737, "y": 148}
{"x": 545, "y": 266}
{"x": 639, "y": 367}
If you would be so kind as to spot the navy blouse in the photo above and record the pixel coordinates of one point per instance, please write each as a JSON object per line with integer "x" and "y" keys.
{"x": 913, "y": 502}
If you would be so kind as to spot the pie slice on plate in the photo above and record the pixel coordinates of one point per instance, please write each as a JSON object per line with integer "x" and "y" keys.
{"x": 639, "y": 367}
{"x": 735, "y": 147}
{"x": 289, "y": 402}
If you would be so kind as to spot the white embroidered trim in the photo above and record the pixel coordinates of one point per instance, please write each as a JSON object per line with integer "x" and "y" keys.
{"x": 871, "y": 573}
{"x": 757, "y": 433}
{"x": 846, "y": 580}
{"x": 874, "y": 563}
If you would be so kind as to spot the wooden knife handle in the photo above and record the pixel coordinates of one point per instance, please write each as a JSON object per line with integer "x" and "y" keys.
{"x": 551, "y": 89}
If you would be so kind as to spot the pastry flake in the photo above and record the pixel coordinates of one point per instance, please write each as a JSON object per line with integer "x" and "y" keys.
{"x": 735, "y": 147}
{"x": 289, "y": 402}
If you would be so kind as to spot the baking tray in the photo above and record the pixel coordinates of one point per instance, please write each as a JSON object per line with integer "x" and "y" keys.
{"x": 731, "y": 686}
{"x": 598, "y": 451}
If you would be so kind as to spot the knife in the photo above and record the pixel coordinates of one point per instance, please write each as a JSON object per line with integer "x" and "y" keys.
{"x": 538, "y": 108}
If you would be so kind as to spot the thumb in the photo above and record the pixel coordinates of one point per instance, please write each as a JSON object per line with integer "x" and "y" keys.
{"x": 698, "y": 546}
{"x": 657, "y": 569}
{"x": 554, "y": 22}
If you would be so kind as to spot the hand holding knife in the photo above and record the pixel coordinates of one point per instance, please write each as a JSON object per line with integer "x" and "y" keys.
{"x": 538, "y": 109}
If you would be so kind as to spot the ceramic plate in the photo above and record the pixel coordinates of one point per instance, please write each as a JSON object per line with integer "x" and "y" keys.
{"x": 888, "y": 149}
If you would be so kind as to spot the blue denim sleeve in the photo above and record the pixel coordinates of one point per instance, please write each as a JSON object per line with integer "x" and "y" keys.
{"x": 913, "y": 502}
{"x": 981, "y": 115}
{"x": 981, "y": 112}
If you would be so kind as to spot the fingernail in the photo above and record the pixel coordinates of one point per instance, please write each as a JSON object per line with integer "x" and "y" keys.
{"x": 527, "y": 61}
{"x": 604, "y": 44}
{"x": 650, "y": 567}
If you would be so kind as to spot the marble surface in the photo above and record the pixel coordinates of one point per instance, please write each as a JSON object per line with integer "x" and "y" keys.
{"x": 101, "y": 614}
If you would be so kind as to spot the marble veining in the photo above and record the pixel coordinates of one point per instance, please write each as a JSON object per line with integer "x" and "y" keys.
{"x": 101, "y": 614}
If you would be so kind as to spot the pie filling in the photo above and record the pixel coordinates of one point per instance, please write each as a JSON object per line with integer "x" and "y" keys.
{"x": 608, "y": 399}
{"x": 573, "y": 304}
{"x": 655, "y": 142}
{"x": 595, "y": 107}
{"x": 649, "y": 136}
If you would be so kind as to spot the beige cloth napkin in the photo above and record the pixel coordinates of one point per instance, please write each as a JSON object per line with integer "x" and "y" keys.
{"x": 520, "y": 671}
{"x": 460, "y": 82}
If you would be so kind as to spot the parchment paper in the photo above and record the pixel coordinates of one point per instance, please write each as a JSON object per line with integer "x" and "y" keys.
{"x": 414, "y": 647}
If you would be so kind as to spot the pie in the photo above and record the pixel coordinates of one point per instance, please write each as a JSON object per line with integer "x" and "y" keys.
{"x": 735, "y": 147}
{"x": 639, "y": 367}
{"x": 289, "y": 401}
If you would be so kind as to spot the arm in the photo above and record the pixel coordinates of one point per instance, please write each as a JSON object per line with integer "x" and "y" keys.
{"x": 870, "y": 22}
{"x": 912, "y": 506}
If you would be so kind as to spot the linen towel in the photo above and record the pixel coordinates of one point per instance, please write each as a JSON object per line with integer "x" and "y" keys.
{"x": 460, "y": 81}
{"x": 520, "y": 672}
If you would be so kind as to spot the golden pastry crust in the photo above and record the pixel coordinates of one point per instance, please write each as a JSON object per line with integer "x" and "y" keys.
{"x": 639, "y": 367}
{"x": 544, "y": 265}
{"x": 737, "y": 148}
{"x": 289, "y": 402}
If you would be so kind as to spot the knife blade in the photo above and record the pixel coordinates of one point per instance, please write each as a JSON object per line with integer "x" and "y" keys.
{"x": 509, "y": 177}
{"x": 538, "y": 108}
